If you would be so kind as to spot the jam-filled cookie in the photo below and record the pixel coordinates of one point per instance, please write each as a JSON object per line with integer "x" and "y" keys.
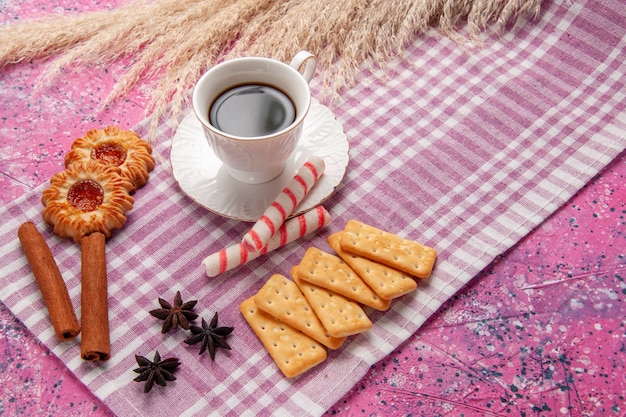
{"x": 115, "y": 147}
{"x": 87, "y": 197}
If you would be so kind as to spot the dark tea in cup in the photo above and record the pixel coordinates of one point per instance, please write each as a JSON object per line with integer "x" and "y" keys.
{"x": 252, "y": 110}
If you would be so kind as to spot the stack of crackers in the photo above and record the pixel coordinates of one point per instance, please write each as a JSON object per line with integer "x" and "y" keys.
{"x": 296, "y": 320}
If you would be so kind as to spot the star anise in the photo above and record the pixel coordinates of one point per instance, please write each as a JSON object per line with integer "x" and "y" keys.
{"x": 156, "y": 371}
{"x": 174, "y": 315}
{"x": 210, "y": 336}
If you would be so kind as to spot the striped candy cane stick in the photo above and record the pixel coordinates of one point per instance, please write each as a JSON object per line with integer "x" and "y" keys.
{"x": 274, "y": 216}
{"x": 292, "y": 229}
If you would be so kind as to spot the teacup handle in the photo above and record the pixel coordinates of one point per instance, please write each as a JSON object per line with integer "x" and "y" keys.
{"x": 305, "y": 57}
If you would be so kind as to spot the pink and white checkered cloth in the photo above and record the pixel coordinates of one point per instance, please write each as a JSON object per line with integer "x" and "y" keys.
{"x": 465, "y": 152}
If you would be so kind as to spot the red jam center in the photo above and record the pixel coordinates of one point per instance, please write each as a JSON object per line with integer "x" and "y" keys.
{"x": 86, "y": 195}
{"x": 110, "y": 153}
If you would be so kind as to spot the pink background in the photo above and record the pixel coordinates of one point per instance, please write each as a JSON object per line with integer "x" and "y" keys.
{"x": 539, "y": 332}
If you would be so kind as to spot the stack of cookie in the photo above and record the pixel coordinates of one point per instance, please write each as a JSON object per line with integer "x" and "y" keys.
{"x": 93, "y": 193}
{"x": 323, "y": 304}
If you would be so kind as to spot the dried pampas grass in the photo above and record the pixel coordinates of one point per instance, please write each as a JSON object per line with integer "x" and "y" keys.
{"x": 177, "y": 40}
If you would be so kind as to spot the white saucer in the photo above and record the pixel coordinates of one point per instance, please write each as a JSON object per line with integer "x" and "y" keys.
{"x": 203, "y": 178}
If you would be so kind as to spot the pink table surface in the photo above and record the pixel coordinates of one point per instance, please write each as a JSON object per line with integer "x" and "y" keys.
{"x": 543, "y": 324}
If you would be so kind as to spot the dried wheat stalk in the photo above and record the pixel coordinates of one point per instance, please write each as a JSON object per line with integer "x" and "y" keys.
{"x": 175, "y": 41}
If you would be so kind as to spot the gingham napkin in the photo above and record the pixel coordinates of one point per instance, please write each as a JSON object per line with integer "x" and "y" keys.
{"x": 463, "y": 152}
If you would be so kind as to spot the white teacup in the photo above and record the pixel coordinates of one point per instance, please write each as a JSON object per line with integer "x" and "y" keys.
{"x": 254, "y": 152}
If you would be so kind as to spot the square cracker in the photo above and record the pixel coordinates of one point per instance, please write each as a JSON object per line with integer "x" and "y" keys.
{"x": 341, "y": 317}
{"x": 389, "y": 249}
{"x": 387, "y": 282}
{"x": 281, "y": 298}
{"x": 293, "y": 352}
{"x": 329, "y": 271}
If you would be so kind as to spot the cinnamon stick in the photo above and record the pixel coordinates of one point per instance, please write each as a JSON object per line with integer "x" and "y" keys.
{"x": 50, "y": 282}
{"x": 95, "y": 342}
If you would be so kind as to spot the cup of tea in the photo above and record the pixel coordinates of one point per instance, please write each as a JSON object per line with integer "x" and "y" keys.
{"x": 252, "y": 111}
